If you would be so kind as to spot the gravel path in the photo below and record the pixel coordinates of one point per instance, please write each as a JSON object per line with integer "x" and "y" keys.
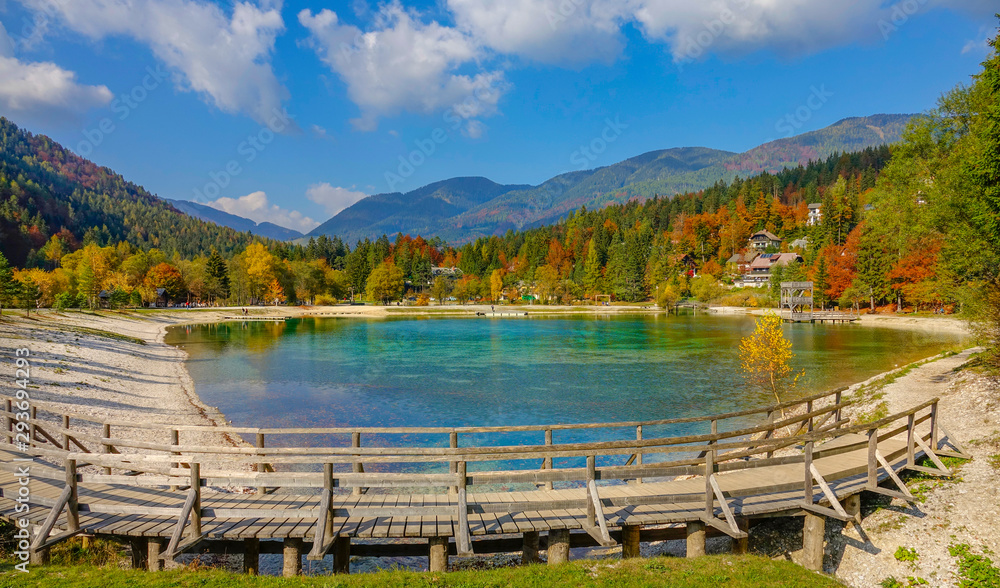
{"x": 963, "y": 510}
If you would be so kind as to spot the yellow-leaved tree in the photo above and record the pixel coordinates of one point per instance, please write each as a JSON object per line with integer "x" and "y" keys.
{"x": 765, "y": 358}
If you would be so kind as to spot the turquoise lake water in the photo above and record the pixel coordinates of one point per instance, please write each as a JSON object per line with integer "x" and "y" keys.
{"x": 329, "y": 372}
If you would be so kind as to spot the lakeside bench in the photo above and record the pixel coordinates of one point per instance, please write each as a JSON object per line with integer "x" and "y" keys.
{"x": 472, "y": 492}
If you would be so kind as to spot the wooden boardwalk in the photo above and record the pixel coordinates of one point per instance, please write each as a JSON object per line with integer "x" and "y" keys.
{"x": 796, "y": 459}
{"x": 820, "y": 317}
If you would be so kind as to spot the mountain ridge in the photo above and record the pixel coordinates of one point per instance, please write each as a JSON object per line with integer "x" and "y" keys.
{"x": 659, "y": 172}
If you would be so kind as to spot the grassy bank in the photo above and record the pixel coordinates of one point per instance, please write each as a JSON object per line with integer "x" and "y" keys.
{"x": 711, "y": 571}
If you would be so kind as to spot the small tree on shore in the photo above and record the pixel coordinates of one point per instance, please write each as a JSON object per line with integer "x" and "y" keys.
{"x": 765, "y": 357}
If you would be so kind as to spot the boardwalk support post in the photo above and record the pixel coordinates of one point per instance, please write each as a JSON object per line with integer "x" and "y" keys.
{"x": 155, "y": 546}
{"x": 291, "y": 557}
{"x": 529, "y": 547}
{"x": 261, "y": 466}
{"x": 630, "y": 541}
{"x": 558, "y": 546}
{"x": 357, "y": 467}
{"x": 741, "y": 545}
{"x": 67, "y": 500}
{"x": 695, "y": 539}
{"x": 813, "y": 531}
{"x": 438, "y": 559}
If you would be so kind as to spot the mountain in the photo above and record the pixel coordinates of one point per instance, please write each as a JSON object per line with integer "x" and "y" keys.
{"x": 46, "y": 190}
{"x": 416, "y": 212}
{"x": 225, "y": 219}
{"x": 462, "y": 209}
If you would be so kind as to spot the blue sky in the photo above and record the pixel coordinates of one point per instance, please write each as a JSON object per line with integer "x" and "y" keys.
{"x": 288, "y": 111}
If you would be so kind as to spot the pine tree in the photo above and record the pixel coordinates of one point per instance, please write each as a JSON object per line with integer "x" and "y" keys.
{"x": 821, "y": 283}
{"x": 592, "y": 269}
{"x": 8, "y": 287}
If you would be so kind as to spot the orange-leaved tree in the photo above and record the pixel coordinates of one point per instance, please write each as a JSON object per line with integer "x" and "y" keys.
{"x": 765, "y": 358}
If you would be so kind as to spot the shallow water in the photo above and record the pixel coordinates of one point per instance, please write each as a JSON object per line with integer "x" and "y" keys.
{"x": 512, "y": 371}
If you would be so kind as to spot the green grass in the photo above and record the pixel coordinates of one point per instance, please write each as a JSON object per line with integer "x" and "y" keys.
{"x": 709, "y": 572}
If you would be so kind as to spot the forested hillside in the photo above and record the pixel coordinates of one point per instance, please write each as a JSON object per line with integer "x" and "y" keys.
{"x": 47, "y": 191}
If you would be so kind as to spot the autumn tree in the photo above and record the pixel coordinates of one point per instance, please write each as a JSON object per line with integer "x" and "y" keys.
{"x": 496, "y": 284}
{"x": 440, "y": 289}
{"x": 168, "y": 277}
{"x": 666, "y": 296}
{"x": 275, "y": 292}
{"x": 765, "y": 358}
{"x": 385, "y": 283}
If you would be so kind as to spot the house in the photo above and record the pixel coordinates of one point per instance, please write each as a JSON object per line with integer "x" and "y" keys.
{"x": 687, "y": 264}
{"x": 161, "y": 298}
{"x": 740, "y": 262}
{"x": 760, "y": 268}
{"x": 761, "y": 240}
{"x": 448, "y": 272}
{"x": 815, "y": 214}
{"x": 104, "y": 299}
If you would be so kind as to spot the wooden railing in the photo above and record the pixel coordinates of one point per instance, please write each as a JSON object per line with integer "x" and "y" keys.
{"x": 793, "y": 432}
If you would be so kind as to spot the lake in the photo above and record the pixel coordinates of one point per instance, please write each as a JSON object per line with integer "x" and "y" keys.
{"x": 327, "y": 372}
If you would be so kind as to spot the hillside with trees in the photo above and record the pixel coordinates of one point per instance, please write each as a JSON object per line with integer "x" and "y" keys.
{"x": 52, "y": 202}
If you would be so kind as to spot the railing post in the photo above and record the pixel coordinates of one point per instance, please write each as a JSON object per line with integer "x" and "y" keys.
{"x": 106, "y": 447}
{"x": 453, "y": 466}
{"x": 261, "y": 466}
{"x": 175, "y": 440}
{"x": 73, "y": 505}
{"x": 547, "y": 462}
{"x": 809, "y": 409}
{"x": 838, "y": 398}
{"x": 65, "y": 426}
{"x": 872, "y": 460}
{"x": 196, "y": 509}
{"x": 934, "y": 426}
{"x": 591, "y": 477}
{"x": 910, "y": 457}
{"x": 357, "y": 467}
{"x": 808, "y": 483}
{"x": 770, "y": 430}
{"x": 33, "y": 411}
{"x": 638, "y": 453}
{"x": 9, "y": 420}
{"x": 715, "y": 431}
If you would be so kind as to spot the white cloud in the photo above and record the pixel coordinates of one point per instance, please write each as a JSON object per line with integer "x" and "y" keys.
{"x": 404, "y": 64}
{"x": 333, "y": 199}
{"x": 577, "y": 32}
{"x": 256, "y": 207}
{"x": 43, "y": 91}
{"x": 568, "y": 32}
{"x": 224, "y": 58}
{"x": 6, "y": 43}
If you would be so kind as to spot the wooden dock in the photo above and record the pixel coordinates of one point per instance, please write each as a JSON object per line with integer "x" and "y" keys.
{"x": 501, "y": 314}
{"x": 257, "y": 318}
{"x": 820, "y": 317}
{"x": 144, "y": 484}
